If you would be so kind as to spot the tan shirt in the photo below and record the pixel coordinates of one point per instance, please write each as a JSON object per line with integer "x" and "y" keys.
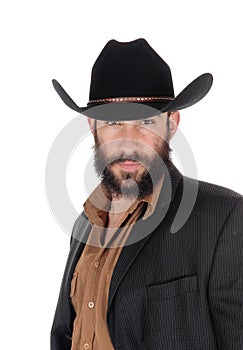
{"x": 92, "y": 275}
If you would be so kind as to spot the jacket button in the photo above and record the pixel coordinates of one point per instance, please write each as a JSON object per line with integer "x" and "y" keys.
{"x": 86, "y": 346}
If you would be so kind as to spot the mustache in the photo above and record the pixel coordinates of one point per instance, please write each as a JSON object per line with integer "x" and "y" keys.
{"x": 128, "y": 156}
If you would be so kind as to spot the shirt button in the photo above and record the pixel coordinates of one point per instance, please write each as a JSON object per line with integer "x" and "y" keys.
{"x": 97, "y": 263}
{"x": 91, "y": 304}
{"x": 86, "y": 346}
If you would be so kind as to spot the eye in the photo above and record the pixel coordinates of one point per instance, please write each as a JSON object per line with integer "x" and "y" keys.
{"x": 147, "y": 122}
{"x": 112, "y": 123}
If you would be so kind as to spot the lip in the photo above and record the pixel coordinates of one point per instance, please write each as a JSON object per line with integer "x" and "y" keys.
{"x": 129, "y": 165}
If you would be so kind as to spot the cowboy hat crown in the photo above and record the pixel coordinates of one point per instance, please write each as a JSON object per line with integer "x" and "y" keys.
{"x": 129, "y": 80}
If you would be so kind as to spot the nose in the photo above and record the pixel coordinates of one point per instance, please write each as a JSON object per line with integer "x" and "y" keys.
{"x": 129, "y": 139}
{"x": 130, "y": 131}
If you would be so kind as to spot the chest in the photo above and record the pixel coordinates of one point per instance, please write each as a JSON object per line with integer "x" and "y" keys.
{"x": 114, "y": 220}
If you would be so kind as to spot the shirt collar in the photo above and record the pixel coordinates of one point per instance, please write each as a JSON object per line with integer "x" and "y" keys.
{"x": 97, "y": 204}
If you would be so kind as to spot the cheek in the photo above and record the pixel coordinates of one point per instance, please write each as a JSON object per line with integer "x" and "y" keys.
{"x": 153, "y": 142}
{"x": 149, "y": 141}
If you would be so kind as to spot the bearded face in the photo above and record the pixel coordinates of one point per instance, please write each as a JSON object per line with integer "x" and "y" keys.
{"x": 129, "y": 167}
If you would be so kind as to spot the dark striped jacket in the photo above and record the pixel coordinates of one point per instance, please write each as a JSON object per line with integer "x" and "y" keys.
{"x": 171, "y": 291}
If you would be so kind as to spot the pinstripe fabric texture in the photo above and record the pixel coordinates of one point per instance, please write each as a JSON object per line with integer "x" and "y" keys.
{"x": 169, "y": 291}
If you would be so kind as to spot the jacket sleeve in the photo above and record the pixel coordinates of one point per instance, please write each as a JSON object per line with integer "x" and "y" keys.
{"x": 60, "y": 339}
{"x": 225, "y": 290}
{"x": 60, "y": 336}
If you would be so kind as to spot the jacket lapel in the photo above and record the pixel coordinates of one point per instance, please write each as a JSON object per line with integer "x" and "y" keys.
{"x": 81, "y": 229}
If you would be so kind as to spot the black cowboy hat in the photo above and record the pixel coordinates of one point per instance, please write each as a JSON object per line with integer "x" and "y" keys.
{"x": 130, "y": 80}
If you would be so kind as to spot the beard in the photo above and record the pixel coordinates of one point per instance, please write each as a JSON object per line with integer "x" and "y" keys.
{"x": 126, "y": 183}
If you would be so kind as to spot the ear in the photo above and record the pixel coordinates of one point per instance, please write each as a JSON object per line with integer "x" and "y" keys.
{"x": 91, "y": 122}
{"x": 174, "y": 122}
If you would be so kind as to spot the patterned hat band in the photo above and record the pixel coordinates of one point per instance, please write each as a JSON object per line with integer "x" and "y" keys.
{"x": 132, "y": 99}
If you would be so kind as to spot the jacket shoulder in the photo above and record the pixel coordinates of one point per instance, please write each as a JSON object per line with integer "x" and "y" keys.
{"x": 212, "y": 198}
{"x": 216, "y": 192}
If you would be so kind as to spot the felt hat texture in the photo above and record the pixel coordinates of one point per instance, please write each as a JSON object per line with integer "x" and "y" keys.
{"x": 129, "y": 81}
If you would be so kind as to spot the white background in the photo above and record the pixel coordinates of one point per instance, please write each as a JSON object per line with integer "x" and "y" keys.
{"x": 61, "y": 39}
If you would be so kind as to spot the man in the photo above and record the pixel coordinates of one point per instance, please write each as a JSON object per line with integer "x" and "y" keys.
{"x": 130, "y": 282}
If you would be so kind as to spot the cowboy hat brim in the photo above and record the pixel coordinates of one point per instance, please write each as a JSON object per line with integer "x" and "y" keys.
{"x": 115, "y": 111}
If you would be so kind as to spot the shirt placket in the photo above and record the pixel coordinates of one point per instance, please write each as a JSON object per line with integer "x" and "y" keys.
{"x": 90, "y": 300}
